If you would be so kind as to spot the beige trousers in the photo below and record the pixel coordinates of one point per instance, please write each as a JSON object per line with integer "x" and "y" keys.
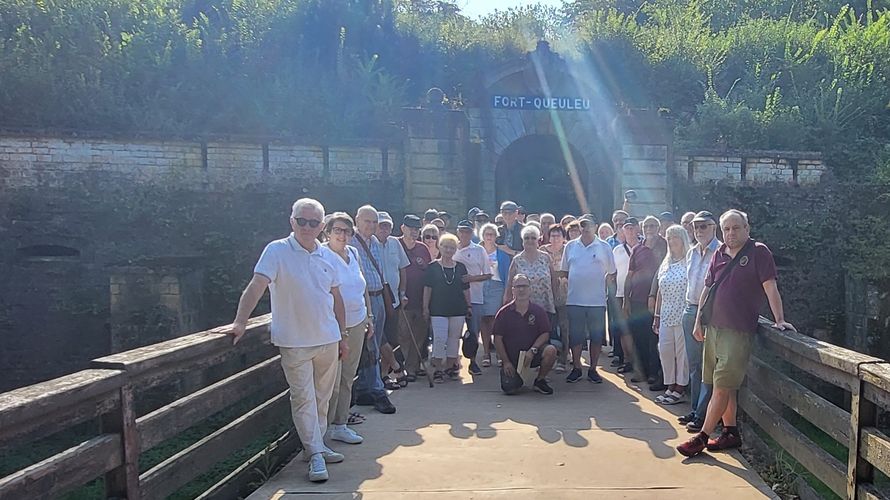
{"x": 311, "y": 373}
{"x": 338, "y": 411}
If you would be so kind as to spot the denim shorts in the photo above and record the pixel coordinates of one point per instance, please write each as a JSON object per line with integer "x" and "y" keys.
{"x": 586, "y": 323}
{"x": 492, "y": 297}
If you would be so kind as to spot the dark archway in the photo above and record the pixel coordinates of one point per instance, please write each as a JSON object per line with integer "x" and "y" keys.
{"x": 534, "y": 172}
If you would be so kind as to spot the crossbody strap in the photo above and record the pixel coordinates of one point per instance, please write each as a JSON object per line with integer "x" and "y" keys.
{"x": 732, "y": 264}
{"x": 371, "y": 257}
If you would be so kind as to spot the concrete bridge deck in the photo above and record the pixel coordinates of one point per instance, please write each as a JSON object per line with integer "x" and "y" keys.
{"x": 466, "y": 440}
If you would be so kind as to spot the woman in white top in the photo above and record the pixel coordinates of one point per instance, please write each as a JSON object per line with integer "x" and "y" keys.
{"x": 670, "y": 302}
{"x": 353, "y": 289}
{"x": 493, "y": 289}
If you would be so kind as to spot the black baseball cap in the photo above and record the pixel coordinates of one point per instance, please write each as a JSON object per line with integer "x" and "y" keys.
{"x": 465, "y": 224}
{"x": 412, "y": 221}
{"x": 482, "y": 214}
{"x": 588, "y": 218}
{"x": 704, "y": 216}
{"x": 444, "y": 214}
{"x": 631, "y": 221}
{"x": 431, "y": 214}
{"x": 666, "y": 216}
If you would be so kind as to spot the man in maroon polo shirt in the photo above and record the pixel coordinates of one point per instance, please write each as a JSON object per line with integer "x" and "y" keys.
{"x": 742, "y": 289}
{"x": 523, "y": 326}
{"x": 412, "y": 322}
{"x": 645, "y": 258}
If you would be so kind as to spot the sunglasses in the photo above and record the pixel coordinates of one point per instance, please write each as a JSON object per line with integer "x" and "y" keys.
{"x": 313, "y": 223}
{"x": 520, "y": 286}
{"x": 702, "y": 226}
{"x": 341, "y": 230}
{"x": 430, "y": 237}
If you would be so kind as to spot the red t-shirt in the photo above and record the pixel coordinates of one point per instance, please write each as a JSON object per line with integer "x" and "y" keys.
{"x": 740, "y": 296}
{"x": 519, "y": 331}
{"x": 418, "y": 260}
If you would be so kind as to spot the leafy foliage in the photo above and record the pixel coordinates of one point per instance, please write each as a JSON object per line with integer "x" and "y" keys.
{"x": 796, "y": 74}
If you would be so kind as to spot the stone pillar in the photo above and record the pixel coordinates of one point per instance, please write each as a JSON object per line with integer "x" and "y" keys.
{"x": 436, "y": 161}
{"x": 154, "y": 300}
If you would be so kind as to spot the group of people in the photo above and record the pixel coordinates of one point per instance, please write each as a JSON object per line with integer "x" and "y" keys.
{"x": 358, "y": 312}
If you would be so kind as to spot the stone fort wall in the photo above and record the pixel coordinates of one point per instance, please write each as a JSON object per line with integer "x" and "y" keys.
{"x": 106, "y": 244}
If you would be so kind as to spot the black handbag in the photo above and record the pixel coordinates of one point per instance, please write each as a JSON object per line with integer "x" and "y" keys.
{"x": 706, "y": 309}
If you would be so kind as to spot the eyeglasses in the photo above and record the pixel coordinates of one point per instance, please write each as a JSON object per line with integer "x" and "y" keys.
{"x": 341, "y": 230}
{"x": 520, "y": 286}
{"x": 313, "y": 223}
{"x": 430, "y": 237}
{"x": 702, "y": 226}
{"x": 530, "y": 238}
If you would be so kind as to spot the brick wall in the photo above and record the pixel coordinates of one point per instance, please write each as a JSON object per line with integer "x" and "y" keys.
{"x": 750, "y": 167}
{"x": 126, "y": 209}
{"x": 38, "y": 161}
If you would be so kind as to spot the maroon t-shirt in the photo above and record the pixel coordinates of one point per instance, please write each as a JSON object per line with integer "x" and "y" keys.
{"x": 740, "y": 296}
{"x": 644, "y": 264}
{"x": 520, "y": 331}
{"x": 418, "y": 260}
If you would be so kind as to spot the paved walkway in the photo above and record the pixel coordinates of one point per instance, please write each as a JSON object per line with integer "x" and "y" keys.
{"x": 465, "y": 439}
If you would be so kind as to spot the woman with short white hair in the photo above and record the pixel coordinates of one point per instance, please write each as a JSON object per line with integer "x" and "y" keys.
{"x": 670, "y": 302}
{"x": 535, "y": 264}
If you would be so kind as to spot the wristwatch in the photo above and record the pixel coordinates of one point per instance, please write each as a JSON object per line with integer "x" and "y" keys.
{"x": 345, "y": 334}
{"x": 534, "y": 350}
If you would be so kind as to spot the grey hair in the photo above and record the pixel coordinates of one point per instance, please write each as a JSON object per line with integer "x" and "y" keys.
{"x": 738, "y": 213}
{"x": 486, "y": 227}
{"x": 530, "y": 229}
{"x": 687, "y": 214}
{"x": 307, "y": 202}
{"x": 674, "y": 231}
{"x": 651, "y": 217}
{"x": 365, "y": 208}
{"x": 429, "y": 228}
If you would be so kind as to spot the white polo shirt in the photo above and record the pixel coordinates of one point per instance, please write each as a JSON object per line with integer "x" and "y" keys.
{"x": 352, "y": 284}
{"x": 301, "y": 285}
{"x": 475, "y": 258}
{"x": 622, "y": 263}
{"x": 587, "y": 267}
{"x": 395, "y": 260}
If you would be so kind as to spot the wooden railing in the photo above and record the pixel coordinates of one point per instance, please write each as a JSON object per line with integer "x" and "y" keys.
{"x": 785, "y": 374}
{"x": 110, "y": 392}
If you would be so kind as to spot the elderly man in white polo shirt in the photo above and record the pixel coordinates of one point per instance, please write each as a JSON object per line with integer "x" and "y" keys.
{"x": 588, "y": 262}
{"x": 308, "y": 317}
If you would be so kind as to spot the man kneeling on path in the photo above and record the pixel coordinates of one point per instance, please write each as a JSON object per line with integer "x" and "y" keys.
{"x": 523, "y": 326}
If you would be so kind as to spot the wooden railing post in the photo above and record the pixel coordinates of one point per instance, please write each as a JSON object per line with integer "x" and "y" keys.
{"x": 123, "y": 482}
{"x": 863, "y": 413}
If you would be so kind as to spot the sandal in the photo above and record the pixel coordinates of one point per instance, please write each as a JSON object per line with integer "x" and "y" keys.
{"x": 421, "y": 372}
{"x": 673, "y": 398}
{"x": 625, "y": 368}
{"x": 486, "y": 362}
{"x": 453, "y": 373}
{"x": 403, "y": 380}
{"x": 661, "y": 398}
{"x": 390, "y": 384}
{"x": 355, "y": 419}
{"x": 439, "y": 377}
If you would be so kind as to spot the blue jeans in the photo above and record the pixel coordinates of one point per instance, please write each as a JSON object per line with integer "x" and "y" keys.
{"x": 699, "y": 393}
{"x": 369, "y": 381}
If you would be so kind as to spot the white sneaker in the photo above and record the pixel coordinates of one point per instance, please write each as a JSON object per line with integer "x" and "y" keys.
{"x": 343, "y": 434}
{"x": 330, "y": 456}
{"x": 318, "y": 471}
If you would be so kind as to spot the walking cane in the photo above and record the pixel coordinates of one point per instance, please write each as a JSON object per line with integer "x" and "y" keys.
{"x": 429, "y": 373}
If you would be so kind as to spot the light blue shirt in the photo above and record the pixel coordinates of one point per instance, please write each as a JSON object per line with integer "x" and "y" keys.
{"x": 372, "y": 277}
{"x": 697, "y": 268}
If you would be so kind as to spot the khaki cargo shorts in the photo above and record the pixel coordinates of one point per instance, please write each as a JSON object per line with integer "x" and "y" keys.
{"x": 725, "y": 357}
